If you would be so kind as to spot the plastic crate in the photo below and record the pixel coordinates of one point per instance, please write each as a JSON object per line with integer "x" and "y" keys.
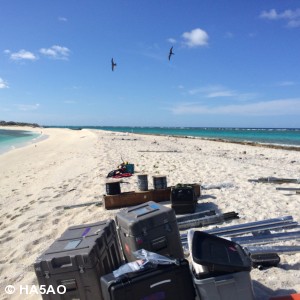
{"x": 232, "y": 286}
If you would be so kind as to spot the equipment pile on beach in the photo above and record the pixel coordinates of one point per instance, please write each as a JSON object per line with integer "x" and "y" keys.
{"x": 151, "y": 251}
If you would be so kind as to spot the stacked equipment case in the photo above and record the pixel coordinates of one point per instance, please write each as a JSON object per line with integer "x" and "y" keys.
{"x": 78, "y": 259}
{"x": 149, "y": 226}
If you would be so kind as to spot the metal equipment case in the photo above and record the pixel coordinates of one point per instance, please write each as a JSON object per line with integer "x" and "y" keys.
{"x": 149, "y": 226}
{"x": 167, "y": 282}
{"x": 78, "y": 259}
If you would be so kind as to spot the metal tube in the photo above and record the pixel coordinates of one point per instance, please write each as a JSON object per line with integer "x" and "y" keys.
{"x": 259, "y": 228}
{"x": 287, "y": 189}
{"x": 218, "y": 231}
{"x": 266, "y": 238}
{"x": 195, "y": 216}
{"x": 251, "y": 230}
{"x": 205, "y": 221}
{"x": 272, "y": 249}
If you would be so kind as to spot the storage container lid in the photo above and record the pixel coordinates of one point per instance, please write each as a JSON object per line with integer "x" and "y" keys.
{"x": 218, "y": 254}
{"x": 147, "y": 215}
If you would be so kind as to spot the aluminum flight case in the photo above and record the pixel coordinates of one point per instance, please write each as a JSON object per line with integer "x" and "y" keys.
{"x": 150, "y": 226}
{"x": 167, "y": 282}
{"x": 78, "y": 259}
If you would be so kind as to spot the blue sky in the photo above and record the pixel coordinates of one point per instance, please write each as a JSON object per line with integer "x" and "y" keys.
{"x": 236, "y": 62}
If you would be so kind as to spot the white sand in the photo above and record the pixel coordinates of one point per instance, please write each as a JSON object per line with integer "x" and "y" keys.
{"x": 70, "y": 167}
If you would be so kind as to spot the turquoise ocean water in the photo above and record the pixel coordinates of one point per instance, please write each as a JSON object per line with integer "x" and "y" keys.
{"x": 10, "y": 139}
{"x": 275, "y": 136}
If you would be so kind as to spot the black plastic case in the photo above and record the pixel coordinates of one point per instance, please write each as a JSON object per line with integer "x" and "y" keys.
{"x": 183, "y": 199}
{"x": 264, "y": 260}
{"x": 168, "y": 282}
{"x": 217, "y": 255}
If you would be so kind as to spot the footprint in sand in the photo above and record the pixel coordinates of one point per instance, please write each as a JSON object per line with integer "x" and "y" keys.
{"x": 7, "y": 239}
{"x": 55, "y": 222}
{"x": 24, "y": 224}
{"x": 48, "y": 187}
{"x": 25, "y": 208}
{"x": 43, "y": 216}
{"x": 14, "y": 217}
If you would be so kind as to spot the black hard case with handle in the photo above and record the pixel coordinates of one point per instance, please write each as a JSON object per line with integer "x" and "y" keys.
{"x": 164, "y": 282}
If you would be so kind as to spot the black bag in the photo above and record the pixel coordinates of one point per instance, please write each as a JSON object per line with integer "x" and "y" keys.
{"x": 163, "y": 282}
{"x": 264, "y": 260}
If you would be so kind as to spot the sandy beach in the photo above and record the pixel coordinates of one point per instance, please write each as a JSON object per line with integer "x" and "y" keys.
{"x": 70, "y": 167}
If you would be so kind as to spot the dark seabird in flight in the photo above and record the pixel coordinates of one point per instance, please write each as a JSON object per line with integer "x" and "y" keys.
{"x": 171, "y": 52}
{"x": 113, "y": 64}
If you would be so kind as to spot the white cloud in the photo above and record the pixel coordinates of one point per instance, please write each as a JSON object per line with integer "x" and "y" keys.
{"x": 213, "y": 91}
{"x": 229, "y": 35}
{"x": 62, "y": 19}
{"x": 195, "y": 38}
{"x": 271, "y": 15}
{"x": 3, "y": 84}
{"x": 21, "y": 55}
{"x": 286, "y": 83}
{"x": 27, "y": 107}
{"x": 172, "y": 41}
{"x": 56, "y": 52}
{"x": 292, "y": 16}
{"x": 219, "y": 91}
{"x": 263, "y": 108}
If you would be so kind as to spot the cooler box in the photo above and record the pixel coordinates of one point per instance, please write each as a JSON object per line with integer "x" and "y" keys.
{"x": 183, "y": 199}
{"x": 129, "y": 168}
{"x": 78, "y": 259}
{"x": 150, "y": 226}
{"x": 164, "y": 282}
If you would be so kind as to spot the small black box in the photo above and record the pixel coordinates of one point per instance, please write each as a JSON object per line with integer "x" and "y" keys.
{"x": 183, "y": 199}
{"x": 264, "y": 260}
{"x": 165, "y": 282}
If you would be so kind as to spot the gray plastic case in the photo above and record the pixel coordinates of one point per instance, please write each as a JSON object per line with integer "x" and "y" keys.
{"x": 232, "y": 286}
{"x": 149, "y": 226}
{"x": 78, "y": 259}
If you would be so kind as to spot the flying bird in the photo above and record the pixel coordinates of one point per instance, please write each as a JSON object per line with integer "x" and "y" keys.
{"x": 113, "y": 64}
{"x": 171, "y": 52}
